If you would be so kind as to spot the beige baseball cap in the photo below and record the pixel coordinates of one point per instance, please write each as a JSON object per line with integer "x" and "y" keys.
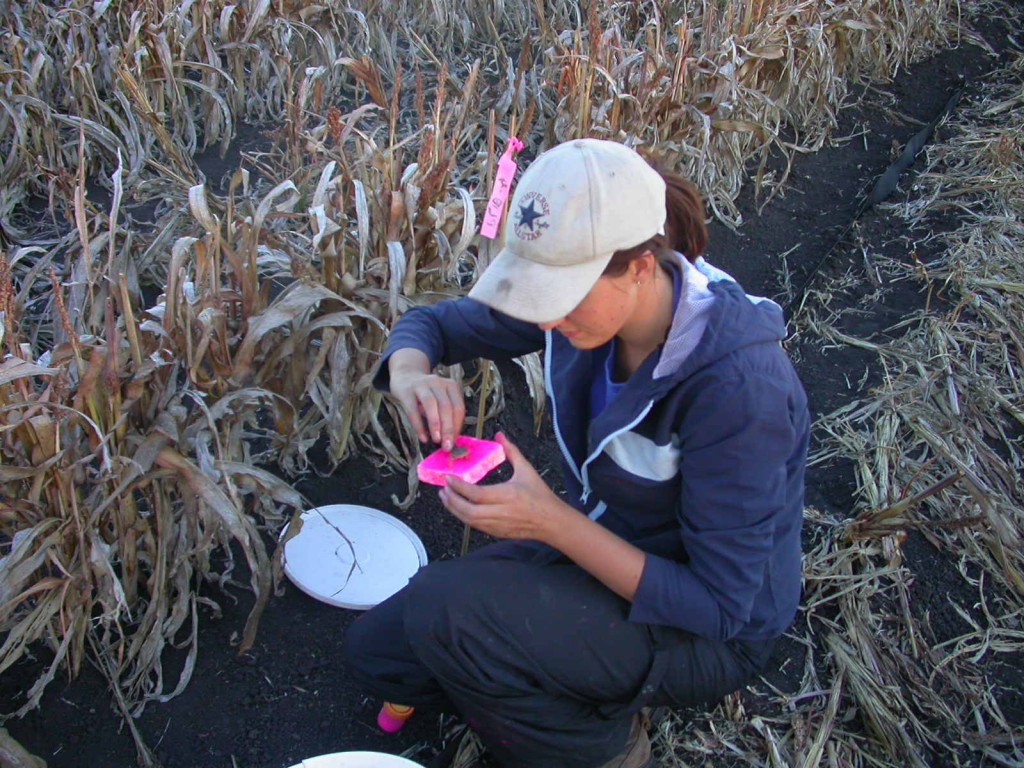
{"x": 574, "y": 207}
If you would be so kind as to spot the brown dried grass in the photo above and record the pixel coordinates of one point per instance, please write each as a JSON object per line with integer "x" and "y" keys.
{"x": 937, "y": 450}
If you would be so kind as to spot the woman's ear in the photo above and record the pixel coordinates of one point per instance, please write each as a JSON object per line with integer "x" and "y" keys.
{"x": 642, "y": 268}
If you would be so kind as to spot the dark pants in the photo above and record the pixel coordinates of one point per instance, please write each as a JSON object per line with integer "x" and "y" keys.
{"x": 539, "y": 658}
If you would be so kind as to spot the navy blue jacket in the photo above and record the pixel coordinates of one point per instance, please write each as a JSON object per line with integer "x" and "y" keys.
{"x": 698, "y": 462}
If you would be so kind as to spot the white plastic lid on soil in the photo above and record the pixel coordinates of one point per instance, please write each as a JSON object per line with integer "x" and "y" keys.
{"x": 352, "y": 557}
{"x": 357, "y": 760}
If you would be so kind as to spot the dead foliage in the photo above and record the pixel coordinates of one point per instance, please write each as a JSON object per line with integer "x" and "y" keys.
{"x": 937, "y": 449}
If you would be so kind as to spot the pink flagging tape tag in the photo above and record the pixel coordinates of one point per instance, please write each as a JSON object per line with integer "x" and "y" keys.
{"x": 499, "y": 194}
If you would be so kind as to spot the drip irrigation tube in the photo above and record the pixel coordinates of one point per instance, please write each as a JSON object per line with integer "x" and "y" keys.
{"x": 883, "y": 189}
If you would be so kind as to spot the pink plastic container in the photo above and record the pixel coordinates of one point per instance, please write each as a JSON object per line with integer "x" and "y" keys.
{"x": 481, "y": 456}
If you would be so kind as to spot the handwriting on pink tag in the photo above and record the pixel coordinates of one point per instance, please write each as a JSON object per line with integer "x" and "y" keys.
{"x": 499, "y": 194}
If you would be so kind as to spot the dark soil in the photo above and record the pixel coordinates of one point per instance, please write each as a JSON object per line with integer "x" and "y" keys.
{"x": 289, "y": 697}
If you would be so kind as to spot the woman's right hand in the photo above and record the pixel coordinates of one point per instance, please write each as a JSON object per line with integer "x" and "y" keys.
{"x": 434, "y": 404}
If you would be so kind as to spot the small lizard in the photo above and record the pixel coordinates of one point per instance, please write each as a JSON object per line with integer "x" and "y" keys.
{"x": 458, "y": 452}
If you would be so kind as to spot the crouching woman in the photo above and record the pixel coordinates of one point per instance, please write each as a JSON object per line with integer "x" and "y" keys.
{"x": 667, "y": 569}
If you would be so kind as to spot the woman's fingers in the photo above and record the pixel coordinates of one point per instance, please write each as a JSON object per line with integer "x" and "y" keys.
{"x": 455, "y": 503}
{"x": 522, "y": 507}
{"x": 500, "y": 510}
{"x": 483, "y": 507}
{"x": 523, "y": 471}
{"x": 476, "y": 494}
{"x": 458, "y": 414}
{"x": 444, "y": 409}
{"x": 410, "y": 405}
{"x": 434, "y": 405}
{"x": 428, "y": 404}
{"x": 512, "y": 452}
{"x": 452, "y": 411}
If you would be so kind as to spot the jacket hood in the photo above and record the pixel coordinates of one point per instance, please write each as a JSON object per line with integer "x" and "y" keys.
{"x": 734, "y": 321}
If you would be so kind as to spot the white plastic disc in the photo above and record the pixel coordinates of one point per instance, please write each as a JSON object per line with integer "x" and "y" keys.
{"x": 357, "y": 760}
{"x": 352, "y": 556}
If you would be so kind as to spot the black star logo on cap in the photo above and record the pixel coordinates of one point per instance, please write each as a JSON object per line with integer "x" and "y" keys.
{"x": 528, "y": 214}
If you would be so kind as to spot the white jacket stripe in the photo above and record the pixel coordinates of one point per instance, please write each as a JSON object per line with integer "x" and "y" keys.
{"x": 642, "y": 457}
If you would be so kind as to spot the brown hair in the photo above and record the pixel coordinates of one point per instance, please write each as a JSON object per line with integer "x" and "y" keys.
{"x": 685, "y": 228}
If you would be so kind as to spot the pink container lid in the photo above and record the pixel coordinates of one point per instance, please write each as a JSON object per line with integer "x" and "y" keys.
{"x": 479, "y": 458}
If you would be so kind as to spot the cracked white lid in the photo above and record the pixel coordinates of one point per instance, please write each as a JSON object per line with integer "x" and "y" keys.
{"x": 351, "y": 556}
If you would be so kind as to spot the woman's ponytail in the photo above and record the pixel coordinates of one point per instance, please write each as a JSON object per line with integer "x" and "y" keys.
{"x": 685, "y": 228}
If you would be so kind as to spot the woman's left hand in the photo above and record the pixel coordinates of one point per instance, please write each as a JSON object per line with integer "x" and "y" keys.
{"x": 523, "y": 507}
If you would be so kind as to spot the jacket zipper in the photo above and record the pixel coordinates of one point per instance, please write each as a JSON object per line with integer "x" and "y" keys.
{"x": 554, "y": 407}
{"x": 585, "y": 480}
{"x": 582, "y": 478}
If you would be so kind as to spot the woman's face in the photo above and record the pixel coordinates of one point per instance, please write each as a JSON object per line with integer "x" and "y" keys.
{"x": 601, "y": 315}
